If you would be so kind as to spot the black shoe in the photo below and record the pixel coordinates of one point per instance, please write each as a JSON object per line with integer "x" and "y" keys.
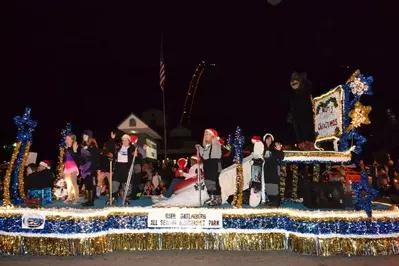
{"x": 90, "y": 199}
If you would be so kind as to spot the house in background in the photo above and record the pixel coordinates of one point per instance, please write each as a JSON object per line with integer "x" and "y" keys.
{"x": 180, "y": 141}
{"x": 133, "y": 125}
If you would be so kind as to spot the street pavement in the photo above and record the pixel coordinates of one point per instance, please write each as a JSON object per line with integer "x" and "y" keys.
{"x": 193, "y": 258}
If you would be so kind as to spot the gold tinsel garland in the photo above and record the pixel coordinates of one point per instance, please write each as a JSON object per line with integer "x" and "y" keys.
{"x": 46, "y": 246}
{"x": 60, "y": 168}
{"x": 283, "y": 176}
{"x": 239, "y": 186}
{"x": 316, "y": 172}
{"x": 7, "y": 177}
{"x": 294, "y": 181}
{"x": 21, "y": 173}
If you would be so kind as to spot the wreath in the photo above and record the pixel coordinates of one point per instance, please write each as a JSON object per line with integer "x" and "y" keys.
{"x": 326, "y": 103}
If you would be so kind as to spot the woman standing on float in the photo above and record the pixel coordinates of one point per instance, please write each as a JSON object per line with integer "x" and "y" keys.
{"x": 71, "y": 169}
{"x": 89, "y": 158}
{"x": 211, "y": 153}
{"x": 272, "y": 157}
{"x": 123, "y": 157}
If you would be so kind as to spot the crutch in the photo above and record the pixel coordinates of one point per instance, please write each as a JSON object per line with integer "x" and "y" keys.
{"x": 129, "y": 178}
{"x": 199, "y": 177}
{"x": 110, "y": 182}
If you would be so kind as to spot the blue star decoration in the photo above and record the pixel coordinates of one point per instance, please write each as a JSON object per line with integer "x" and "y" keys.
{"x": 364, "y": 194}
{"x": 25, "y": 126}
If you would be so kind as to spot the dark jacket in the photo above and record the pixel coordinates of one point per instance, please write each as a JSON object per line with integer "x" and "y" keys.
{"x": 89, "y": 161}
{"x": 104, "y": 163}
{"x": 272, "y": 159}
{"x": 39, "y": 180}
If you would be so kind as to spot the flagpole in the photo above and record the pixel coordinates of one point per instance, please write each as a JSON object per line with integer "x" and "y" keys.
{"x": 164, "y": 116}
{"x": 164, "y": 126}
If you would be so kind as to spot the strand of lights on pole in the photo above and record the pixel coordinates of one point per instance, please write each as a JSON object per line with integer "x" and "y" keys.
{"x": 192, "y": 89}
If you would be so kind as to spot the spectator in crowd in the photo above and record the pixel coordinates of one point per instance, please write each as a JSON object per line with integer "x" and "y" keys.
{"x": 39, "y": 177}
{"x": 160, "y": 189}
{"x": 156, "y": 179}
{"x": 29, "y": 179}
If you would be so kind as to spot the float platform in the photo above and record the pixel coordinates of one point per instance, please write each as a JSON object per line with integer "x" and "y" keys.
{"x": 62, "y": 230}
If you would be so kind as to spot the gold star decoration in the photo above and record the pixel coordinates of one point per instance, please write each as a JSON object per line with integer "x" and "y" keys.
{"x": 352, "y": 78}
{"x": 359, "y": 115}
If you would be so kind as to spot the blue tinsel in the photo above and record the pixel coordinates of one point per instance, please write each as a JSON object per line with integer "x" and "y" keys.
{"x": 348, "y": 105}
{"x": 364, "y": 202}
{"x": 238, "y": 145}
{"x": 385, "y": 226}
{"x": 24, "y": 134}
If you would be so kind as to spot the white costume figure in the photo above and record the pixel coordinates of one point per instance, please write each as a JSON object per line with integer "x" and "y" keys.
{"x": 256, "y": 171}
{"x": 61, "y": 191}
{"x": 259, "y": 147}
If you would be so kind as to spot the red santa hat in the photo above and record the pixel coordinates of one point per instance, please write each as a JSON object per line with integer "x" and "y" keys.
{"x": 212, "y": 132}
{"x": 46, "y": 164}
{"x": 268, "y": 135}
{"x": 134, "y": 139}
{"x": 182, "y": 163}
{"x": 255, "y": 138}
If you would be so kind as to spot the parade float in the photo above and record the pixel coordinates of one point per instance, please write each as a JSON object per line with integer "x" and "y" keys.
{"x": 368, "y": 228}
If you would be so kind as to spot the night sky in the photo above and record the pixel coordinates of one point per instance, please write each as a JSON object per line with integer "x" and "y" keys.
{"x": 92, "y": 63}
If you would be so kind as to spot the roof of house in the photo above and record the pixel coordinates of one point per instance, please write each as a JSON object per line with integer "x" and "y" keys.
{"x": 134, "y": 125}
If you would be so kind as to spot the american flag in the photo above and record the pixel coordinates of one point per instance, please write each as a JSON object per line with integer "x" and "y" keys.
{"x": 162, "y": 73}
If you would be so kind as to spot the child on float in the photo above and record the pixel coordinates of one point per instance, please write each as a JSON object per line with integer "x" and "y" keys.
{"x": 123, "y": 157}
{"x": 272, "y": 157}
{"x": 211, "y": 152}
{"x": 71, "y": 170}
{"x": 195, "y": 164}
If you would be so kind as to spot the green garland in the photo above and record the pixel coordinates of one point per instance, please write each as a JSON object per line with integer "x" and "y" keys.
{"x": 294, "y": 181}
{"x": 283, "y": 176}
{"x": 326, "y": 103}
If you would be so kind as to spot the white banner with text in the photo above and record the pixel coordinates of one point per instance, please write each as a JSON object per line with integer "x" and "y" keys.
{"x": 185, "y": 218}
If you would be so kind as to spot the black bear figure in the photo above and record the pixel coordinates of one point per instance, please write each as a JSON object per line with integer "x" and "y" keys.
{"x": 301, "y": 110}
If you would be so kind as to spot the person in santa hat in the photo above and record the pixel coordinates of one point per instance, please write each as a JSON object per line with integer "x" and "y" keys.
{"x": 182, "y": 163}
{"x": 188, "y": 197}
{"x": 180, "y": 176}
{"x": 272, "y": 157}
{"x": 123, "y": 157}
{"x": 195, "y": 165}
{"x": 211, "y": 152}
{"x": 42, "y": 178}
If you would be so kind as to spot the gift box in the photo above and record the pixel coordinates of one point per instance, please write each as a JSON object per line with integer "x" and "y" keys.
{"x": 43, "y": 194}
